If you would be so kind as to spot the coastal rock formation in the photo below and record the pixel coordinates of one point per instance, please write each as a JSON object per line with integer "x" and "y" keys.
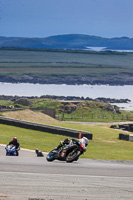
{"x": 65, "y": 98}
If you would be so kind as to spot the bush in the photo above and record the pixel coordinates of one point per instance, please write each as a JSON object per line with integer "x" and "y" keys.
{"x": 23, "y": 101}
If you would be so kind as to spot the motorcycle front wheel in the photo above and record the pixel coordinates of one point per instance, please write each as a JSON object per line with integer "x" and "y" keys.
{"x": 51, "y": 156}
{"x": 73, "y": 156}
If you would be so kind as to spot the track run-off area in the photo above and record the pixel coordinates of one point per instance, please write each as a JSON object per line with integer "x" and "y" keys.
{"x": 28, "y": 177}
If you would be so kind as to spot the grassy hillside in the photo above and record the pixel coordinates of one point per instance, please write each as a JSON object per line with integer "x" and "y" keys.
{"x": 69, "y": 111}
{"x": 84, "y": 110}
{"x": 28, "y": 115}
{"x": 66, "y": 66}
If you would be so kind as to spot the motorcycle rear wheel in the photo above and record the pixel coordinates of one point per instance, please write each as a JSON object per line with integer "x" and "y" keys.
{"x": 72, "y": 156}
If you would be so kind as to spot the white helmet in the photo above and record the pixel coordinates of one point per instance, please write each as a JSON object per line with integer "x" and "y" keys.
{"x": 86, "y": 141}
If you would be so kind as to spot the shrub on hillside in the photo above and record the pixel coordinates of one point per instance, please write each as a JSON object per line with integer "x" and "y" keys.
{"x": 23, "y": 102}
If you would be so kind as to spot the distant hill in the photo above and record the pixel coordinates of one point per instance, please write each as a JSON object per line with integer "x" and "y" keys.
{"x": 70, "y": 41}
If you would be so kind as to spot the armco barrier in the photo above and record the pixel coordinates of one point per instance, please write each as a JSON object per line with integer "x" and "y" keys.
{"x": 46, "y": 128}
{"x": 123, "y": 136}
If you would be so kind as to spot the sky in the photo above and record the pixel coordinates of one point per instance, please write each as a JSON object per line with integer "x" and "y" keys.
{"x": 43, "y": 18}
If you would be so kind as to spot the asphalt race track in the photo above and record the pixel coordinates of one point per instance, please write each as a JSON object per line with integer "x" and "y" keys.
{"x": 29, "y": 177}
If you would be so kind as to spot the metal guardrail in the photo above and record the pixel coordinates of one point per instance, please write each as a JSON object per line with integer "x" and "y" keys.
{"x": 45, "y": 128}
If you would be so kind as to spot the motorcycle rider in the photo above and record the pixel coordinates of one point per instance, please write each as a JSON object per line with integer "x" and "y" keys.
{"x": 62, "y": 143}
{"x": 15, "y": 142}
{"x": 83, "y": 140}
{"x": 69, "y": 150}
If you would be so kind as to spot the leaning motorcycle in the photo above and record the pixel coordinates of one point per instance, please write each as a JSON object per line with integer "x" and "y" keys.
{"x": 10, "y": 150}
{"x": 68, "y": 153}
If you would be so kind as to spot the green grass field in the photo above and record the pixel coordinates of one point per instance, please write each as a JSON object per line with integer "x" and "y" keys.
{"x": 59, "y": 58}
{"x": 105, "y": 143}
{"x": 57, "y": 65}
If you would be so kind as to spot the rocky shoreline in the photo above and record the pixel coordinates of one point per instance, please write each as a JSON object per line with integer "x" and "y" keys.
{"x": 68, "y": 98}
{"x": 67, "y": 79}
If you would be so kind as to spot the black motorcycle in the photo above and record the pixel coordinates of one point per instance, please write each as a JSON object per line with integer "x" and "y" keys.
{"x": 68, "y": 153}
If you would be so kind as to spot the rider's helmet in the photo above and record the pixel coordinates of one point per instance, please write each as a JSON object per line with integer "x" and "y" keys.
{"x": 66, "y": 141}
{"x": 86, "y": 141}
{"x": 15, "y": 139}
